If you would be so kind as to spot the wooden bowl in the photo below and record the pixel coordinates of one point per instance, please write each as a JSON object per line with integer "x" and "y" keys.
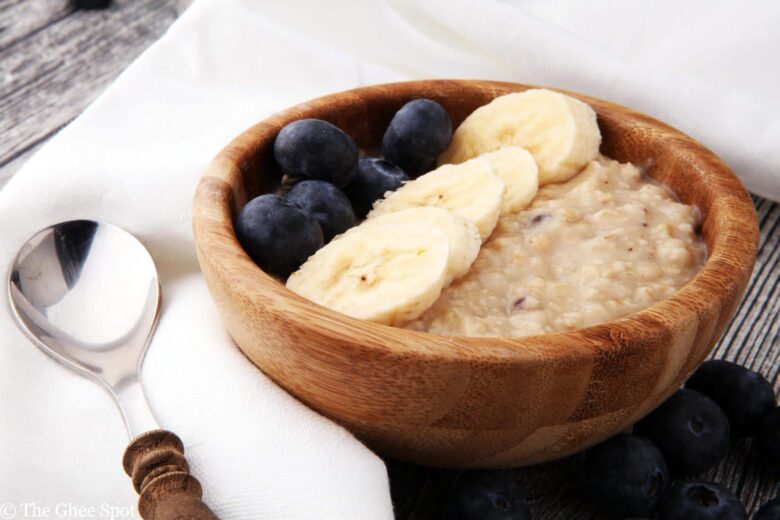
{"x": 475, "y": 402}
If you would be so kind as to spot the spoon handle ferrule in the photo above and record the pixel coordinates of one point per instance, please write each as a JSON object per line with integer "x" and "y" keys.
{"x": 160, "y": 474}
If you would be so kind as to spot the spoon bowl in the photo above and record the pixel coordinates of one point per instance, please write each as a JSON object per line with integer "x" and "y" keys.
{"x": 88, "y": 295}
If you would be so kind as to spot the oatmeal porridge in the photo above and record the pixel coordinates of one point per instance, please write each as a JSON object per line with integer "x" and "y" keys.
{"x": 607, "y": 243}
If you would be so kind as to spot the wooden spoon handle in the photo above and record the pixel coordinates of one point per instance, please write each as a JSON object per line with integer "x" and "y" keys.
{"x": 155, "y": 462}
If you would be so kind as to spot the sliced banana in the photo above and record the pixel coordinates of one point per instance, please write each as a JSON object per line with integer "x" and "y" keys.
{"x": 390, "y": 277}
{"x": 560, "y": 132}
{"x": 470, "y": 189}
{"x": 463, "y": 234}
{"x": 518, "y": 170}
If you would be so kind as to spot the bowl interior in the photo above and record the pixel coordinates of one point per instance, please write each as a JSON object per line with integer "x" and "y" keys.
{"x": 628, "y": 136}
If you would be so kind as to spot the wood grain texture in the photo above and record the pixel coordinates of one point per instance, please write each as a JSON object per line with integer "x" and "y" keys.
{"x": 54, "y": 61}
{"x": 155, "y": 462}
{"x": 475, "y": 402}
{"x": 21, "y": 19}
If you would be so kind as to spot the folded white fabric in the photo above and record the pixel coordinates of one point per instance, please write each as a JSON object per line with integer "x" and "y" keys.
{"x": 134, "y": 157}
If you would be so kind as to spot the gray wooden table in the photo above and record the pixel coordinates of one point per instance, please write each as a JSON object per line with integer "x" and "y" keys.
{"x": 54, "y": 61}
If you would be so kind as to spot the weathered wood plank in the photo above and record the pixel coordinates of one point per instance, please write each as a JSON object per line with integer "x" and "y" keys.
{"x": 21, "y": 18}
{"x": 753, "y": 340}
{"x": 50, "y": 76}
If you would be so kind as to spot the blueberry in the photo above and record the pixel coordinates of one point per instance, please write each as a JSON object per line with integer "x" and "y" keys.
{"x": 277, "y": 234}
{"x": 691, "y": 431}
{"x": 769, "y": 511}
{"x": 626, "y": 475}
{"x": 483, "y": 495}
{"x": 374, "y": 177}
{"x": 700, "y": 501}
{"x": 91, "y": 4}
{"x": 416, "y": 136}
{"x": 768, "y": 441}
{"x": 743, "y": 395}
{"x": 326, "y": 204}
{"x": 316, "y": 149}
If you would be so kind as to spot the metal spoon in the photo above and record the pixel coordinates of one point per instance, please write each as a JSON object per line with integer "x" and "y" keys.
{"x": 88, "y": 295}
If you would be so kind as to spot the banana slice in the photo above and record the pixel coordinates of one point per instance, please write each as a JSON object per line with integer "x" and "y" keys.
{"x": 518, "y": 170}
{"x": 389, "y": 278}
{"x": 463, "y": 234}
{"x": 560, "y": 132}
{"x": 470, "y": 190}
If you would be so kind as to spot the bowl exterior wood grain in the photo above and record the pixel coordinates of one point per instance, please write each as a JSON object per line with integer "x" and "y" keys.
{"x": 475, "y": 402}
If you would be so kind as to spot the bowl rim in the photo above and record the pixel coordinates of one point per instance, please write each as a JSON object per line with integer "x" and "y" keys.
{"x": 728, "y": 263}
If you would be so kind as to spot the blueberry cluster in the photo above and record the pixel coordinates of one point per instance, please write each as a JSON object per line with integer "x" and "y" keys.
{"x": 629, "y": 475}
{"x": 632, "y": 475}
{"x": 331, "y": 186}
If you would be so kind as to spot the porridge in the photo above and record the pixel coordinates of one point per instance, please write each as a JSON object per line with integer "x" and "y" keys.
{"x": 607, "y": 243}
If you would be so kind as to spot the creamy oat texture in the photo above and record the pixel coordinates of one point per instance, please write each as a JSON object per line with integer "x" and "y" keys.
{"x": 607, "y": 243}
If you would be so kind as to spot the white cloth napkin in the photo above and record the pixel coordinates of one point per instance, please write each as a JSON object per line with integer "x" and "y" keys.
{"x": 134, "y": 157}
